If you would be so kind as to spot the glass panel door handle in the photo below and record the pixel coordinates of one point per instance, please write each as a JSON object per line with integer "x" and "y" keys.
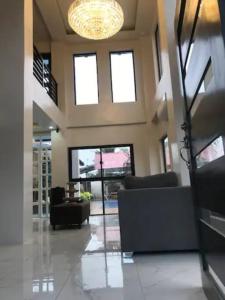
{"x": 186, "y": 144}
{"x": 183, "y": 158}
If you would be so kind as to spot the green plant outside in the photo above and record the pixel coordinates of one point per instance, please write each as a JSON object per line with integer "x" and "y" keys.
{"x": 86, "y": 196}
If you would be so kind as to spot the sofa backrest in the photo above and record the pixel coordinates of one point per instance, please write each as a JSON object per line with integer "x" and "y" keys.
{"x": 154, "y": 181}
{"x": 57, "y": 195}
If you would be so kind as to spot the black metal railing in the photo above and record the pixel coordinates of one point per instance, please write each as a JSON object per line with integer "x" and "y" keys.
{"x": 44, "y": 76}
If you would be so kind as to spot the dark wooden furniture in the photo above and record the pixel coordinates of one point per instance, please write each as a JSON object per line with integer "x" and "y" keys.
{"x": 64, "y": 212}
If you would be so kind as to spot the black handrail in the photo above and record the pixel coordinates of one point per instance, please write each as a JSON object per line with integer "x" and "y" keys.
{"x": 44, "y": 76}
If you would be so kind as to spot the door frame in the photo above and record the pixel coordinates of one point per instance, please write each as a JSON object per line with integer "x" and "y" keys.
{"x": 209, "y": 284}
{"x": 40, "y": 149}
{"x": 102, "y": 179}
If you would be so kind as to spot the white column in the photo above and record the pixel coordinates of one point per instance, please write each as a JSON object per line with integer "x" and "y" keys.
{"x": 16, "y": 99}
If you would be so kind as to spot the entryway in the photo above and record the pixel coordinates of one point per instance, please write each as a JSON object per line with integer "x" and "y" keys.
{"x": 41, "y": 174}
{"x": 99, "y": 171}
{"x": 42, "y": 162}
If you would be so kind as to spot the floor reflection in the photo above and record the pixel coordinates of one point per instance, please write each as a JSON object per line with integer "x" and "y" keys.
{"x": 101, "y": 271}
{"x": 105, "y": 237}
{"x": 44, "y": 285}
{"x": 87, "y": 264}
{"x": 105, "y": 234}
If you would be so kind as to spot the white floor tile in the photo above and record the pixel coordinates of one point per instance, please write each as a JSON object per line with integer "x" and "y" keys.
{"x": 86, "y": 264}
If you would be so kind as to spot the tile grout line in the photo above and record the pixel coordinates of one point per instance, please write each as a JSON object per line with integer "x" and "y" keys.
{"x": 139, "y": 280}
{"x": 64, "y": 284}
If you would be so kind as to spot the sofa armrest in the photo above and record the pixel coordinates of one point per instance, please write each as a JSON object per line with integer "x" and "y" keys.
{"x": 157, "y": 219}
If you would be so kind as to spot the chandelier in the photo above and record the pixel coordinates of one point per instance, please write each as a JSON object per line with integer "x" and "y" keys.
{"x": 95, "y": 19}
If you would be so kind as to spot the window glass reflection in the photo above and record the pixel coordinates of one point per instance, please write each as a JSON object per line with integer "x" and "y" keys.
{"x": 85, "y": 162}
{"x": 166, "y": 154}
{"x": 116, "y": 161}
{"x": 212, "y": 152}
{"x": 215, "y": 219}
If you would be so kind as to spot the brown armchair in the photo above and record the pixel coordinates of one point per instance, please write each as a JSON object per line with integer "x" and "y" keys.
{"x": 67, "y": 213}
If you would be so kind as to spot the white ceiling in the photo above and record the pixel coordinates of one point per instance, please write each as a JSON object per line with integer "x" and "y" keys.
{"x": 139, "y": 15}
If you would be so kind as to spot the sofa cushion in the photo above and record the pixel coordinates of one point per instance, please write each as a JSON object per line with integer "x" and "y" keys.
{"x": 155, "y": 181}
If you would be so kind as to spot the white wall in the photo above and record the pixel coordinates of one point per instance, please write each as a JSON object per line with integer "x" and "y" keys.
{"x": 106, "y": 112}
{"x": 169, "y": 85}
{"x": 41, "y": 36}
{"x": 149, "y": 84}
{"x": 45, "y": 103}
{"x": 102, "y": 124}
{"x": 84, "y": 124}
{"x": 16, "y": 95}
{"x": 125, "y": 134}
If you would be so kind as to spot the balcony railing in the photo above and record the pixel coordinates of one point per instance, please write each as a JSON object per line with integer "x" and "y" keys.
{"x": 44, "y": 76}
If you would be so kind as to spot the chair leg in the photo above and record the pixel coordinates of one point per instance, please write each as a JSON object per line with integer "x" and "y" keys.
{"x": 53, "y": 227}
{"x": 88, "y": 220}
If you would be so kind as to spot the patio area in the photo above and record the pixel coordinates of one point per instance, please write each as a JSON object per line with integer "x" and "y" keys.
{"x": 111, "y": 207}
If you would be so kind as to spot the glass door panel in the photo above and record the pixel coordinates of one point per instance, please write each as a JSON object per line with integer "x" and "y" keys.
{"x": 111, "y": 188}
{"x": 44, "y": 168}
{"x": 86, "y": 163}
{"x": 41, "y": 176}
{"x": 99, "y": 171}
{"x": 35, "y": 203}
{"x": 35, "y": 182}
{"x": 92, "y": 191}
{"x": 116, "y": 161}
{"x": 44, "y": 202}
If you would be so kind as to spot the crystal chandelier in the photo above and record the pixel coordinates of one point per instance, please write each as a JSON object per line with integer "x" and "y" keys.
{"x": 95, "y": 19}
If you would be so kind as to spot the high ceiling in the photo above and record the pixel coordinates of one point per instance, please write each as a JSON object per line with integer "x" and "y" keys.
{"x": 139, "y": 15}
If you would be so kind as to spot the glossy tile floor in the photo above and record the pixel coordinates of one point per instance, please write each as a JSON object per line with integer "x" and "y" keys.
{"x": 86, "y": 264}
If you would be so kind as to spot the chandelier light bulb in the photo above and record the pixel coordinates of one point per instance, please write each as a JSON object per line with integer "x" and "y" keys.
{"x": 96, "y": 19}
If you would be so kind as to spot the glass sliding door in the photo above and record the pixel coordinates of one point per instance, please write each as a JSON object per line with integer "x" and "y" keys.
{"x": 100, "y": 171}
{"x": 36, "y": 179}
{"x": 94, "y": 189}
{"x": 86, "y": 163}
{"x": 111, "y": 188}
{"x": 116, "y": 161}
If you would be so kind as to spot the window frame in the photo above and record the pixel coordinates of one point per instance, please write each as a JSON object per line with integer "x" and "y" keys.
{"x": 74, "y": 75}
{"x": 158, "y": 52}
{"x": 80, "y": 179}
{"x": 135, "y": 81}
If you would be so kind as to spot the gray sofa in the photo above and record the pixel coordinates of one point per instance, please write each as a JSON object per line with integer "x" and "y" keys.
{"x": 157, "y": 218}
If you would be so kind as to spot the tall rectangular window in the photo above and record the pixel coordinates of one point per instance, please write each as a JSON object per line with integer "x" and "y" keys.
{"x": 86, "y": 79}
{"x": 166, "y": 154}
{"x": 123, "y": 77}
{"x": 158, "y": 51}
